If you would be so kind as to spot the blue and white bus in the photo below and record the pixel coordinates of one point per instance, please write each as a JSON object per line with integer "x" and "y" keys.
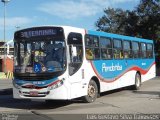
{"x": 63, "y": 63}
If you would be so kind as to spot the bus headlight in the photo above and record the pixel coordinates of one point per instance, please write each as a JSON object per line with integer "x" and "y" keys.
{"x": 56, "y": 84}
{"x": 16, "y": 85}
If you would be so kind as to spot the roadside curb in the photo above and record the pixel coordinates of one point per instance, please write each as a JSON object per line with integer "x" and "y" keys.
{"x": 7, "y": 91}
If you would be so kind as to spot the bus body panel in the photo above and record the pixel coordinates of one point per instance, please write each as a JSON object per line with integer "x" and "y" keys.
{"x": 117, "y": 73}
{"x": 111, "y": 73}
{"x": 59, "y": 92}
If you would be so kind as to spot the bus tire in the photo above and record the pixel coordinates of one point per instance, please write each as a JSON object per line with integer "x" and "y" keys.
{"x": 137, "y": 81}
{"x": 92, "y": 92}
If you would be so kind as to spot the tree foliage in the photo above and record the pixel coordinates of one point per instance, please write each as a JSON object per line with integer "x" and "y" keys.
{"x": 143, "y": 21}
{"x": 148, "y": 12}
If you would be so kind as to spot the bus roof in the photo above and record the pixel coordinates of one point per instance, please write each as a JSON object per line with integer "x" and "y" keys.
{"x": 98, "y": 33}
{"x": 117, "y": 36}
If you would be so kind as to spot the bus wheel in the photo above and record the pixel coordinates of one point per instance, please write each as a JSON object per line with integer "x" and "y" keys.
{"x": 92, "y": 92}
{"x": 137, "y": 81}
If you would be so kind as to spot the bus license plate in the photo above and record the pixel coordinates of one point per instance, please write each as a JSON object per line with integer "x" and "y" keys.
{"x": 33, "y": 93}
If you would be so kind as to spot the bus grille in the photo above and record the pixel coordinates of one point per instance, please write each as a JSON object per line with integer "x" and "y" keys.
{"x": 34, "y": 77}
{"x": 33, "y": 87}
{"x": 40, "y": 94}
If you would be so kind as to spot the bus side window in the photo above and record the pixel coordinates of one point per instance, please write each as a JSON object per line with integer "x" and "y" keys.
{"x": 150, "y": 50}
{"x": 117, "y": 51}
{"x": 89, "y": 54}
{"x": 92, "y": 47}
{"x": 118, "y": 54}
{"x": 136, "y": 50}
{"x": 106, "y": 48}
{"x": 127, "y": 49}
{"x": 76, "y": 53}
{"x": 143, "y": 50}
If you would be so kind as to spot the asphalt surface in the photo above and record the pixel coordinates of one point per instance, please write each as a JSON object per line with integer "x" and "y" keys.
{"x": 5, "y": 86}
{"x": 119, "y": 104}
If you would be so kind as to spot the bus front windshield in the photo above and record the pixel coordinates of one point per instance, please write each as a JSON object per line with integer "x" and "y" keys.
{"x": 39, "y": 56}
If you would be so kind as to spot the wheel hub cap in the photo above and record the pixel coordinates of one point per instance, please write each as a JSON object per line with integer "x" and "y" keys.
{"x": 91, "y": 91}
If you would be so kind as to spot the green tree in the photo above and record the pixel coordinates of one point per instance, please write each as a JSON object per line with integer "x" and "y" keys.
{"x": 112, "y": 21}
{"x": 143, "y": 22}
{"x": 148, "y": 12}
{"x": 149, "y": 23}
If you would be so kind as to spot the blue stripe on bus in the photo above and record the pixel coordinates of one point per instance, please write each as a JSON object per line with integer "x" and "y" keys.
{"x": 110, "y": 70}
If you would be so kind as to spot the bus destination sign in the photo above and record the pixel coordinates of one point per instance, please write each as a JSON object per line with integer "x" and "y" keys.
{"x": 38, "y": 32}
{"x": 35, "y": 33}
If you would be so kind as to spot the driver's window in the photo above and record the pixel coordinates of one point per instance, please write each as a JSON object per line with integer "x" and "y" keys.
{"x": 75, "y": 52}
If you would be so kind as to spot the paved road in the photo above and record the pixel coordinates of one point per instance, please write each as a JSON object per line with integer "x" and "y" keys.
{"x": 5, "y": 86}
{"x": 123, "y": 101}
{"x": 5, "y": 83}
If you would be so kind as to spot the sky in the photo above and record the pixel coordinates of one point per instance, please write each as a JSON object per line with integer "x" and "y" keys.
{"x": 78, "y": 13}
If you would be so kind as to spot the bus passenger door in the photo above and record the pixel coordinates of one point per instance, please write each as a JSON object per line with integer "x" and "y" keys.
{"x": 75, "y": 56}
{"x": 75, "y": 60}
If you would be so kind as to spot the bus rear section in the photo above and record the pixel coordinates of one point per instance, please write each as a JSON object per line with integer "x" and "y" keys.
{"x": 115, "y": 61}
